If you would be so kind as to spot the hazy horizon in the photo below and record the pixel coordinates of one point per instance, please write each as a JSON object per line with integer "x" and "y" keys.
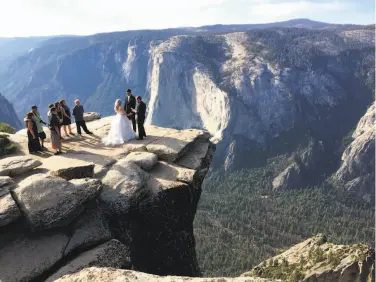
{"x": 86, "y": 17}
{"x": 57, "y": 35}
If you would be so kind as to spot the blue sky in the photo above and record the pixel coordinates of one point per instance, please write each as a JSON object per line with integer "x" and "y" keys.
{"x": 53, "y": 17}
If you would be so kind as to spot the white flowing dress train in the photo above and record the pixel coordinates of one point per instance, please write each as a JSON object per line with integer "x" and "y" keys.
{"x": 121, "y": 131}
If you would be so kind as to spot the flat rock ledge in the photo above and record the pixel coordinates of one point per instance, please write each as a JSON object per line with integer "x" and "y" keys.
{"x": 125, "y": 207}
{"x": 96, "y": 274}
{"x": 13, "y": 166}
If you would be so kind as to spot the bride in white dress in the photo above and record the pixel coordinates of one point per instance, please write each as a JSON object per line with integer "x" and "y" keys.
{"x": 121, "y": 128}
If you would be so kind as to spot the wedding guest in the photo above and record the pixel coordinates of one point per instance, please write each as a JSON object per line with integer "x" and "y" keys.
{"x": 32, "y": 134}
{"x": 66, "y": 118}
{"x": 38, "y": 121}
{"x": 49, "y": 115}
{"x": 55, "y": 131}
{"x": 78, "y": 113}
{"x": 60, "y": 114}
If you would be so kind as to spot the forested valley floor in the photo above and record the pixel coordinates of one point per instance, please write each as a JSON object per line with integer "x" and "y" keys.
{"x": 241, "y": 221}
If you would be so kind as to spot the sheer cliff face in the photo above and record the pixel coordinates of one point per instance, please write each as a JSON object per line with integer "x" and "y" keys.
{"x": 254, "y": 86}
{"x": 264, "y": 88}
{"x": 7, "y": 113}
{"x": 357, "y": 171}
{"x": 129, "y": 207}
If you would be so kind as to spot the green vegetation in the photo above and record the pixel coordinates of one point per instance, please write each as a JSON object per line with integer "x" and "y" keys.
{"x": 241, "y": 222}
{"x": 279, "y": 268}
{"x": 6, "y": 146}
{"x": 4, "y": 127}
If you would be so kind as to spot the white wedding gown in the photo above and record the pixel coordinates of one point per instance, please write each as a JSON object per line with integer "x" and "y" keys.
{"x": 121, "y": 131}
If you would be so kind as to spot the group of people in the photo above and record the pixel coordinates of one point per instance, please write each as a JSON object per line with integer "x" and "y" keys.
{"x": 59, "y": 116}
{"x": 123, "y": 126}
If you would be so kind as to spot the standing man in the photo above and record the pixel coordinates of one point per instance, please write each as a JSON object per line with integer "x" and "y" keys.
{"x": 130, "y": 103}
{"x": 38, "y": 121}
{"x": 141, "y": 113}
{"x": 78, "y": 113}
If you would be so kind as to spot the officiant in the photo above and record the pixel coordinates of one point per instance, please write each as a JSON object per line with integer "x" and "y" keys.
{"x": 130, "y": 103}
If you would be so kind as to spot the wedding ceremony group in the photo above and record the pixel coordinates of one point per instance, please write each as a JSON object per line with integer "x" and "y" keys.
{"x": 129, "y": 120}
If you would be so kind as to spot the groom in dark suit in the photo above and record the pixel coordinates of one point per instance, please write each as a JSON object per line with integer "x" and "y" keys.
{"x": 130, "y": 103}
{"x": 140, "y": 111}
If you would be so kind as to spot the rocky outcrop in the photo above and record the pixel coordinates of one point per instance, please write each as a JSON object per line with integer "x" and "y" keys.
{"x": 24, "y": 259}
{"x": 110, "y": 254}
{"x": 144, "y": 160}
{"x": 17, "y": 165}
{"x": 5, "y": 184}
{"x": 129, "y": 206}
{"x": 8, "y": 114}
{"x": 304, "y": 168}
{"x": 8, "y": 210}
{"x": 90, "y": 116}
{"x": 94, "y": 274}
{"x": 357, "y": 171}
{"x": 318, "y": 260}
{"x": 49, "y": 202}
{"x": 288, "y": 179}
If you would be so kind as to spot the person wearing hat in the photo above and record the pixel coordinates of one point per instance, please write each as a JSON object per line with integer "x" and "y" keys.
{"x": 38, "y": 121}
{"x": 130, "y": 103}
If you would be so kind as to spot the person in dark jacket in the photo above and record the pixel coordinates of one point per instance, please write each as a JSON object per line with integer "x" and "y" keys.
{"x": 130, "y": 103}
{"x": 32, "y": 134}
{"x": 140, "y": 111}
{"x": 66, "y": 118}
{"x": 55, "y": 131}
{"x": 78, "y": 113}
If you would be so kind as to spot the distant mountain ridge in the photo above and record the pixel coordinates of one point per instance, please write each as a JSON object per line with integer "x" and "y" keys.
{"x": 11, "y": 48}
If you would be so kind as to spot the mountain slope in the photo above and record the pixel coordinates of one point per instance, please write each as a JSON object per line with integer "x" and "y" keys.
{"x": 11, "y": 48}
{"x": 7, "y": 113}
{"x": 262, "y": 92}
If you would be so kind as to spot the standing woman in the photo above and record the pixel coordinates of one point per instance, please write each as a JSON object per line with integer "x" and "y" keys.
{"x": 32, "y": 134}
{"x": 55, "y": 131}
{"x": 66, "y": 118}
{"x": 60, "y": 114}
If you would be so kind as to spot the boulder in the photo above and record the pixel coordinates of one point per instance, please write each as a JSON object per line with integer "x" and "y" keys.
{"x": 9, "y": 211}
{"x": 90, "y": 116}
{"x": 17, "y": 165}
{"x": 27, "y": 258}
{"x": 172, "y": 172}
{"x": 69, "y": 166}
{"x": 94, "y": 274}
{"x": 111, "y": 254}
{"x": 173, "y": 145}
{"x": 290, "y": 178}
{"x": 122, "y": 185}
{"x": 6, "y": 183}
{"x": 144, "y": 160}
{"x": 90, "y": 229}
{"x": 48, "y": 201}
{"x": 195, "y": 156}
